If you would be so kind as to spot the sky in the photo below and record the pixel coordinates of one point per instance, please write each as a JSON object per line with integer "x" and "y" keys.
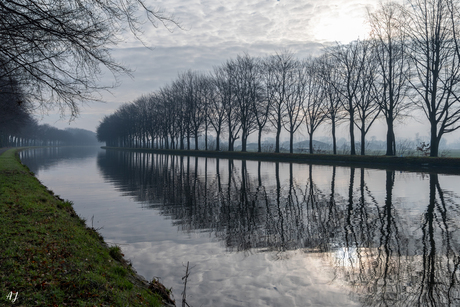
{"x": 214, "y": 31}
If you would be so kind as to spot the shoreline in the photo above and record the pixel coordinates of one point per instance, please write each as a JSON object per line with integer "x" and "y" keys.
{"x": 441, "y": 165}
{"x": 49, "y": 256}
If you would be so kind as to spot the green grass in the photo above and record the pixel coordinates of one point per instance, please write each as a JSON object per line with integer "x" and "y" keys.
{"x": 49, "y": 257}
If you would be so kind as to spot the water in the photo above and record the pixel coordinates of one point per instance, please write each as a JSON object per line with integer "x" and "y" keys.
{"x": 269, "y": 234}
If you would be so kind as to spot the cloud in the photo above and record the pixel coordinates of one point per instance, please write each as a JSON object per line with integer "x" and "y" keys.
{"x": 215, "y": 31}
{"x": 211, "y": 23}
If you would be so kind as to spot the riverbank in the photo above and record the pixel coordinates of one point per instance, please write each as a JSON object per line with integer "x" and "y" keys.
{"x": 49, "y": 257}
{"x": 409, "y": 163}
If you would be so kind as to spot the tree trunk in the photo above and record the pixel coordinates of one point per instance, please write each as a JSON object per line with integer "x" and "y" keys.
{"x": 232, "y": 144}
{"x": 352, "y": 135}
{"x": 277, "y": 144}
{"x": 188, "y": 140}
{"x": 334, "y": 141}
{"x": 363, "y": 141}
{"x": 259, "y": 141}
{"x": 206, "y": 136}
{"x": 218, "y": 141}
{"x": 434, "y": 149}
{"x": 390, "y": 137}
{"x": 181, "y": 139}
{"x": 243, "y": 142}
{"x": 230, "y": 140}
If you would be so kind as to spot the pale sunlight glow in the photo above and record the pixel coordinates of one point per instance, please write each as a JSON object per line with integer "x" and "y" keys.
{"x": 340, "y": 28}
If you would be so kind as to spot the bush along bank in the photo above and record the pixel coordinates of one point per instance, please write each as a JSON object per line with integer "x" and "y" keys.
{"x": 48, "y": 256}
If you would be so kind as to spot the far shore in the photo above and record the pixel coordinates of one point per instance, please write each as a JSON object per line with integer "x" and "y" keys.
{"x": 445, "y": 165}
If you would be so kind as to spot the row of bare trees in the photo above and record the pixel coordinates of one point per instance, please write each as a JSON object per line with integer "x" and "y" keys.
{"x": 33, "y": 134}
{"x": 410, "y": 62}
{"x": 243, "y": 96}
{"x": 18, "y": 127}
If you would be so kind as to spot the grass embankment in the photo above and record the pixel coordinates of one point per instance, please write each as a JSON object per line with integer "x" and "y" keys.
{"x": 50, "y": 258}
{"x": 409, "y": 163}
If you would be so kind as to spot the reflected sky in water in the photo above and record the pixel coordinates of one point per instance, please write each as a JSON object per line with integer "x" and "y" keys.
{"x": 269, "y": 234}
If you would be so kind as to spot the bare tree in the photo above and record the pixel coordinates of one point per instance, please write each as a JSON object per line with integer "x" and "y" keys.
{"x": 224, "y": 82}
{"x": 261, "y": 107}
{"x": 142, "y": 105}
{"x": 313, "y": 106}
{"x": 169, "y": 103}
{"x": 333, "y": 108}
{"x": 177, "y": 91}
{"x": 350, "y": 65}
{"x": 193, "y": 108}
{"x": 57, "y": 48}
{"x": 389, "y": 45}
{"x": 296, "y": 86}
{"x": 217, "y": 112}
{"x": 433, "y": 50}
{"x": 207, "y": 93}
{"x": 367, "y": 108}
{"x": 153, "y": 121}
{"x": 277, "y": 69}
{"x": 248, "y": 91}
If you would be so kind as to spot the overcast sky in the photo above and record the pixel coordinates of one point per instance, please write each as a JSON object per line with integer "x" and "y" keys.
{"x": 217, "y": 30}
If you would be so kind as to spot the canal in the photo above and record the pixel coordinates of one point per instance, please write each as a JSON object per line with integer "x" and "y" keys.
{"x": 267, "y": 233}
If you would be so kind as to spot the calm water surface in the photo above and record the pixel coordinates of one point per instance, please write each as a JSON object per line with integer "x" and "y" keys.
{"x": 269, "y": 234}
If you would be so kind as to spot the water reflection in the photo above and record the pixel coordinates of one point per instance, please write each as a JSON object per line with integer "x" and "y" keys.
{"x": 45, "y": 158}
{"x": 390, "y": 254}
{"x": 393, "y": 238}
{"x": 391, "y": 262}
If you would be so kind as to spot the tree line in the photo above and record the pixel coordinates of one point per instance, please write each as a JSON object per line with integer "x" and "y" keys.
{"x": 34, "y": 134}
{"x": 18, "y": 127}
{"x": 410, "y": 62}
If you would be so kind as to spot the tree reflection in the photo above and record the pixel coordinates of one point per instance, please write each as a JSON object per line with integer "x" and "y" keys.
{"x": 403, "y": 268}
{"x": 37, "y": 159}
{"x": 438, "y": 278}
{"x": 388, "y": 256}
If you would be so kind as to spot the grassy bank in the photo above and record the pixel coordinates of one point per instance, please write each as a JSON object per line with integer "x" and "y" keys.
{"x": 446, "y": 165}
{"x": 48, "y": 257}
